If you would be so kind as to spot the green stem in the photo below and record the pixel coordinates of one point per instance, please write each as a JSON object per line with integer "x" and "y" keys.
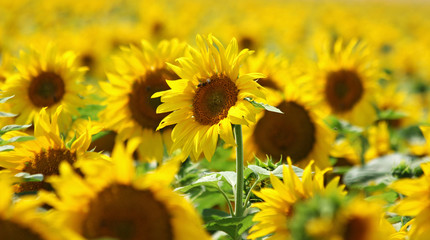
{"x": 250, "y": 191}
{"x": 228, "y": 200}
{"x": 239, "y": 171}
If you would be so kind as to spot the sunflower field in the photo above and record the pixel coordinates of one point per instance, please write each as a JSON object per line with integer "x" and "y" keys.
{"x": 205, "y": 119}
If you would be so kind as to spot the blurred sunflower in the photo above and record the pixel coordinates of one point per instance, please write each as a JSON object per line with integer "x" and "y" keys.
{"x": 130, "y": 111}
{"x": 113, "y": 202}
{"x": 20, "y": 219}
{"x": 44, "y": 154}
{"x": 299, "y": 133}
{"x": 48, "y": 79}
{"x": 347, "y": 219}
{"x": 209, "y": 97}
{"x": 277, "y": 206}
{"x": 347, "y": 81}
{"x": 416, "y": 203}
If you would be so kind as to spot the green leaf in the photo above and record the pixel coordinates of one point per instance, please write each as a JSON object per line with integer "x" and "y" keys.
{"x": 13, "y": 127}
{"x": 233, "y": 226}
{"x": 378, "y": 170}
{"x": 19, "y": 139}
{"x": 210, "y": 180}
{"x": 259, "y": 170}
{"x": 395, "y": 219}
{"x": 5, "y": 148}
{"x": 99, "y": 135}
{"x": 29, "y": 178}
{"x": 91, "y": 111}
{"x": 5, "y": 114}
{"x": 230, "y": 177}
{"x": 390, "y": 115}
{"x": 263, "y": 106}
{"x": 3, "y": 100}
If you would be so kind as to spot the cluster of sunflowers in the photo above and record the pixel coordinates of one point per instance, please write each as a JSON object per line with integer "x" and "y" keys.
{"x": 200, "y": 119}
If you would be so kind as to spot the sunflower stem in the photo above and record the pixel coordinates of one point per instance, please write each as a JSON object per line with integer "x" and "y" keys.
{"x": 239, "y": 171}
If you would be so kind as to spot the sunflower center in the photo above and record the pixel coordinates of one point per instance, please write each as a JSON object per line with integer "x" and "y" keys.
{"x": 247, "y": 42}
{"x": 343, "y": 90}
{"x": 356, "y": 228}
{"x": 11, "y": 230}
{"x": 290, "y": 134}
{"x": 47, "y": 163}
{"x": 213, "y": 98}
{"x": 46, "y": 89}
{"x": 268, "y": 83}
{"x": 141, "y": 105}
{"x": 122, "y": 212}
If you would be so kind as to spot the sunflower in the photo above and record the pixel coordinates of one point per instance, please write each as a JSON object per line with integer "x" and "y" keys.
{"x": 299, "y": 133}
{"x": 48, "y": 79}
{"x": 277, "y": 206}
{"x": 209, "y": 97}
{"x": 130, "y": 111}
{"x": 44, "y": 154}
{"x": 112, "y": 201}
{"x": 348, "y": 220}
{"x": 416, "y": 203}
{"x": 20, "y": 220}
{"x": 347, "y": 80}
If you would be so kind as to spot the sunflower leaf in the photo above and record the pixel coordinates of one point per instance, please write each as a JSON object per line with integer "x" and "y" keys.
{"x": 278, "y": 171}
{"x": 233, "y": 226}
{"x": 267, "y": 107}
{"x": 13, "y": 127}
{"x": 19, "y": 139}
{"x": 6, "y": 148}
{"x": 3, "y": 100}
{"x": 5, "y": 114}
{"x": 26, "y": 177}
{"x": 210, "y": 180}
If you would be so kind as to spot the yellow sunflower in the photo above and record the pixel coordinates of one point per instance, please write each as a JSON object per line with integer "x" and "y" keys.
{"x": 112, "y": 201}
{"x": 347, "y": 81}
{"x": 209, "y": 97}
{"x": 21, "y": 220}
{"x": 299, "y": 133}
{"x": 279, "y": 200}
{"x": 356, "y": 219}
{"x": 130, "y": 111}
{"x": 48, "y": 79}
{"x": 44, "y": 154}
{"x": 416, "y": 203}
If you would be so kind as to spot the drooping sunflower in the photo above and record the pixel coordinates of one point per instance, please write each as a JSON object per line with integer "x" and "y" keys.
{"x": 20, "y": 219}
{"x": 278, "y": 202}
{"x": 44, "y": 154}
{"x": 299, "y": 133}
{"x": 347, "y": 80}
{"x": 130, "y": 111}
{"x": 48, "y": 79}
{"x": 112, "y": 201}
{"x": 416, "y": 203}
{"x": 209, "y": 97}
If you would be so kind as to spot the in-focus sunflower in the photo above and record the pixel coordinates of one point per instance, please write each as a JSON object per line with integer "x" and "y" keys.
{"x": 48, "y": 79}
{"x": 347, "y": 81}
{"x": 130, "y": 111}
{"x": 44, "y": 154}
{"x": 279, "y": 201}
{"x": 21, "y": 220}
{"x": 111, "y": 201}
{"x": 299, "y": 133}
{"x": 209, "y": 97}
{"x": 416, "y": 203}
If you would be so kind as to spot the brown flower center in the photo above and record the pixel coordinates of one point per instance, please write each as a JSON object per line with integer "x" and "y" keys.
{"x": 356, "y": 229}
{"x": 268, "y": 83}
{"x": 289, "y": 134}
{"x": 343, "y": 90}
{"x": 213, "y": 98}
{"x": 141, "y": 105}
{"x": 123, "y": 212}
{"x": 11, "y": 230}
{"x": 46, "y": 89}
{"x": 47, "y": 163}
{"x": 247, "y": 42}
